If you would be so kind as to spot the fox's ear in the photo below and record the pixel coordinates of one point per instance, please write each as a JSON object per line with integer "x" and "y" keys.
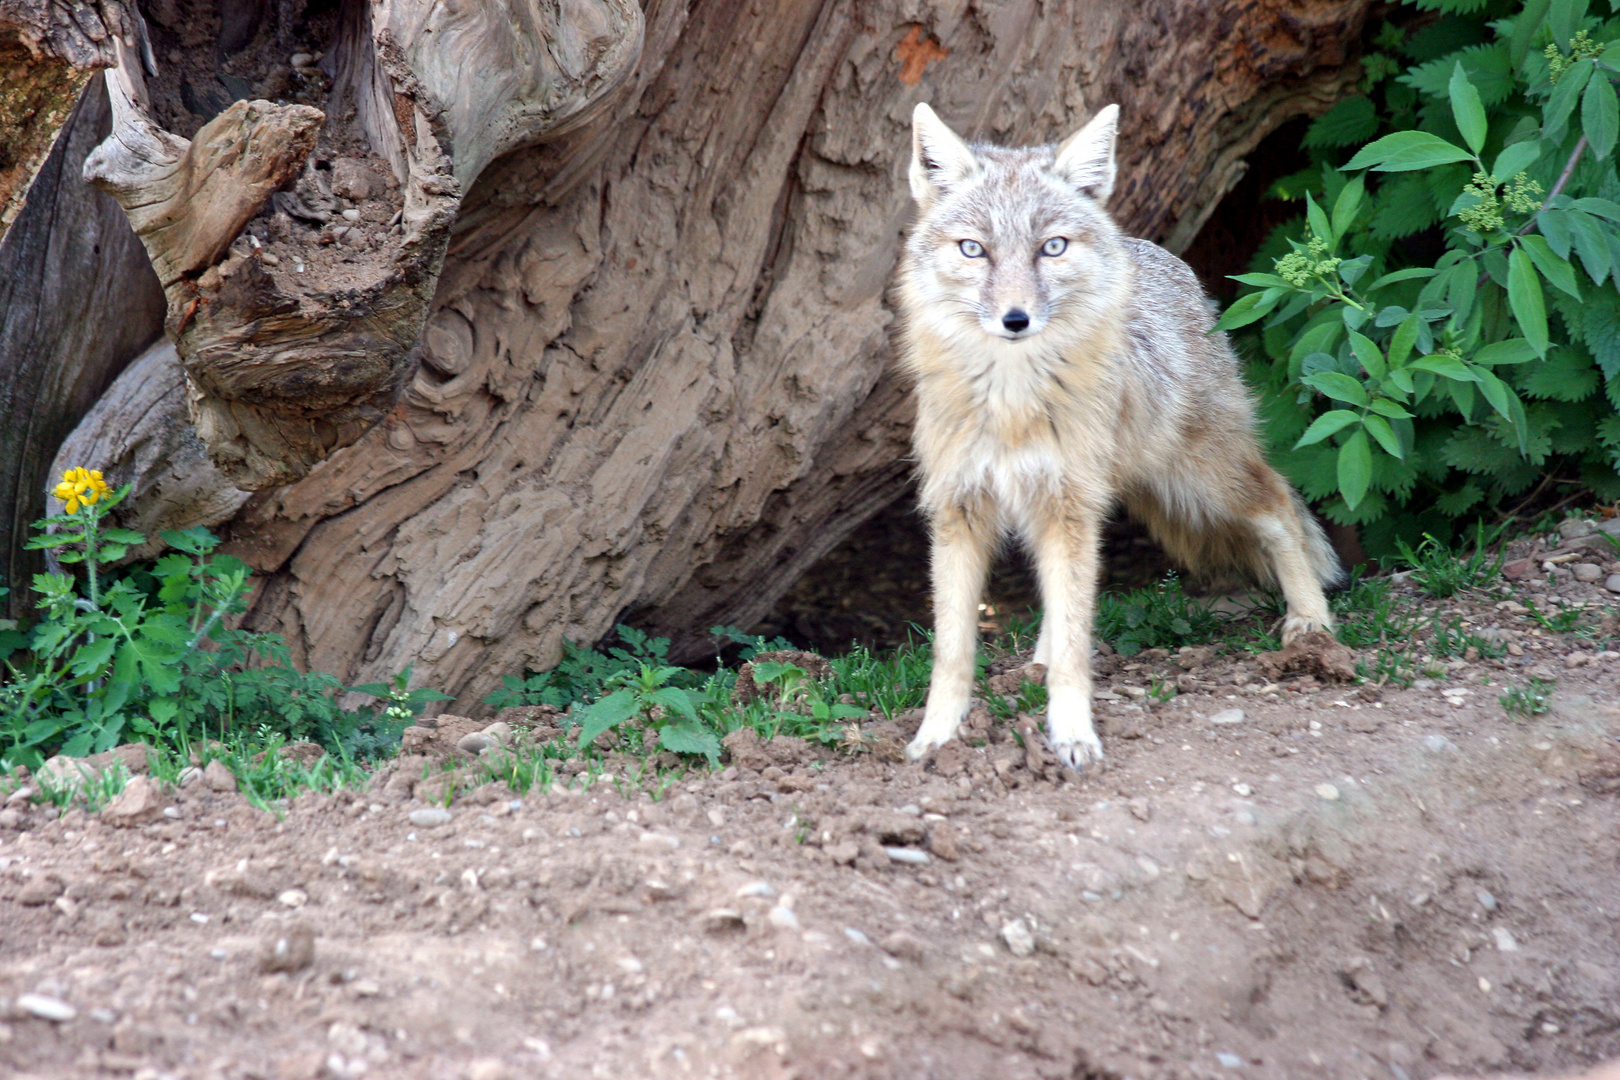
{"x": 939, "y": 157}
{"x": 1086, "y": 158}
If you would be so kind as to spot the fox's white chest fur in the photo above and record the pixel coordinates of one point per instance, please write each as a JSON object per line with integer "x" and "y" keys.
{"x": 1001, "y": 427}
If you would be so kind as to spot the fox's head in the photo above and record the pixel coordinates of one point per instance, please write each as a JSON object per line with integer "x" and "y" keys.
{"x": 1014, "y": 243}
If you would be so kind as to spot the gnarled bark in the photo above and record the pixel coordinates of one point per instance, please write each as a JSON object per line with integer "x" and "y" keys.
{"x": 654, "y": 384}
{"x": 48, "y": 51}
{"x": 77, "y": 300}
{"x": 296, "y": 332}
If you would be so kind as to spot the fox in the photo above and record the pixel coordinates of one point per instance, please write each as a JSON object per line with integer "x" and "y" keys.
{"x": 1062, "y": 369}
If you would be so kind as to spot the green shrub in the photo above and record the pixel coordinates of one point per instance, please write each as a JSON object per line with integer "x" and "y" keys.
{"x": 144, "y": 653}
{"x": 1445, "y": 331}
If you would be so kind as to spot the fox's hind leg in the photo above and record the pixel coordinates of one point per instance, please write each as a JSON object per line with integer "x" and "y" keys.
{"x": 1213, "y": 515}
{"x": 1066, "y": 548}
{"x": 963, "y": 542}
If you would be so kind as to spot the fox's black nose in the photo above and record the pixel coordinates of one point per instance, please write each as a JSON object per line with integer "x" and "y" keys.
{"x": 1016, "y": 321}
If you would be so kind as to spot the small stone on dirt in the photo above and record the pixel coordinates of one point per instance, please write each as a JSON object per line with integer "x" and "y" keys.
{"x": 140, "y": 801}
{"x": 1327, "y": 792}
{"x": 1504, "y": 939}
{"x": 46, "y": 1008}
{"x": 291, "y": 948}
{"x": 722, "y": 920}
{"x": 746, "y": 751}
{"x": 783, "y": 918}
{"x": 218, "y": 777}
{"x": 1018, "y": 938}
{"x": 1317, "y": 653}
{"x": 904, "y": 946}
{"x": 430, "y": 817}
{"x": 910, "y": 856}
{"x": 1587, "y": 572}
{"x": 40, "y": 890}
{"x": 1612, "y": 583}
{"x": 1228, "y": 716}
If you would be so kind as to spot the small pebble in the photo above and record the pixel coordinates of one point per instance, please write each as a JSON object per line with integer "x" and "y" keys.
{"x": 1504, "y": 939}
{"x": 1327, "y": 792}
{"x": 856, "y": 936}
{"x": 1228, "y": 716}
{"x": 351, "y": 214}
{"x": 1018, "y": 938}
{"x": 1612, "y": 583}
{"x": 1587, "y": 572}
{"x": 1435, "y": 743}
{"x": 294, "y": 898}
{"x": 761, "y": 889}
{"x": 907, "y": 855}
{"x": 46, "y": 1008}
{"x": 1231, "y": 1061}
{"x": 1243, "y": 789}
{"x": 783, "y": 918}
{"x": 659, "y": 841}
{"x": 722, "y": 920}
{"x": 430, "y": 817}
{"x": 1486, "y": 900}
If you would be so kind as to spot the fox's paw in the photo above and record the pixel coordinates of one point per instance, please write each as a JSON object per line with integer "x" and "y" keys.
{"x": 1079, "y": 752}
{"x": 1295, "y": 627}
{"x": 924, "y": 744}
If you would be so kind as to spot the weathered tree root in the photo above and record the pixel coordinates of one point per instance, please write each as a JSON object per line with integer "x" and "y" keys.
{"x": 295, "y": 317}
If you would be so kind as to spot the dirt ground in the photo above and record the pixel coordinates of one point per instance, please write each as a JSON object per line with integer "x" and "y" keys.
{"x": 1331, "y": 881}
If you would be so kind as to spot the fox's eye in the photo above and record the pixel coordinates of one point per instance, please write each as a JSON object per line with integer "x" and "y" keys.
{"x": 1055, "y": 246}
{"x": 972, "y": 249}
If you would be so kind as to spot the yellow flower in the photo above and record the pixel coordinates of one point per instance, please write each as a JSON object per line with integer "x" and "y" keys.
{"x": 80, "y": 486}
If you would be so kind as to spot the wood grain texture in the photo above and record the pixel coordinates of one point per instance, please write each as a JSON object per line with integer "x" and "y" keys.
{"x": 78, "y": 301}
{"x": 655, "y": 382}
{"x": 48, "y": 51}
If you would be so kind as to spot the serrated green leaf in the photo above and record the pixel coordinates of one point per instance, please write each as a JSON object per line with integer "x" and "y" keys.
{"x": 1404, "y": 206}
{"x": 1404, "y": 151}
{"x": 1525, "y": 298}
{"x": 1271, "y": 281}
{"x": 1379, "y": 429}
{"x": 1525, "y": 25}
{"x": 1317, "y": 219}
{"x": 1515, "y": 159}
{"x": 1351, "y": 121}
{"x": 1488, "y": 67}
{"x": 1512, "y": 351}
{"x": 1414, "y": 273}
{"x": 1329, "y": 423}
{"x": 1444, "y": 365}
{"x": 1367, "y": 354}
{"x": 1600, "y": 329}
{"x": 1556, "y": 270}
{"x": 1401, "y": 342}
{"x": 675, "y": 699}
{"x": 1600, "y": 116}
{"x": 1346, "y": 206}
{"x": 1603, "y": 208}
{"x": 1338, "y": 386}
{"x": 1591, "y": 244}
{"x": 1355, "y": 468}
{"x": 605, "y": 713}
{"x": 1467, "y": 110}
{"x": 1392, "y": 409}
{"x": 1565, "y": 375}
{"x": 1565, "y": 96}
{"x": 688, "y": 738}
{"x": 1248, "y": 309}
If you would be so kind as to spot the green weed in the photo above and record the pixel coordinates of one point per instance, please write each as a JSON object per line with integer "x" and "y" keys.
{"x": 1524, "y": 702}
{"x": 1441, "y": 573}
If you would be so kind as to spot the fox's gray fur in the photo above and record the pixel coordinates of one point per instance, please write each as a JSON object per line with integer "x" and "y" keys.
{"x": 1062, "y": 367}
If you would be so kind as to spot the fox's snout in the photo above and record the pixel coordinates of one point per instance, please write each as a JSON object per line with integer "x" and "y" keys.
{"x": 1016, "y": 321}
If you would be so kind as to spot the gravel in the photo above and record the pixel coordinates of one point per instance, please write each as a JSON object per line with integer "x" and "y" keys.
{"x": 1229, "y": 716}
{"x": 47, "y": 1008}
{"x": 1018, "y": 938}
{"x": 430, "y": 817}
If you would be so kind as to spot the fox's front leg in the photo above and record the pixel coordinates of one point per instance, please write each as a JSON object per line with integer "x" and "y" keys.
{"x": 962, "y": 546}
{"x": 1066, "y": 549}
